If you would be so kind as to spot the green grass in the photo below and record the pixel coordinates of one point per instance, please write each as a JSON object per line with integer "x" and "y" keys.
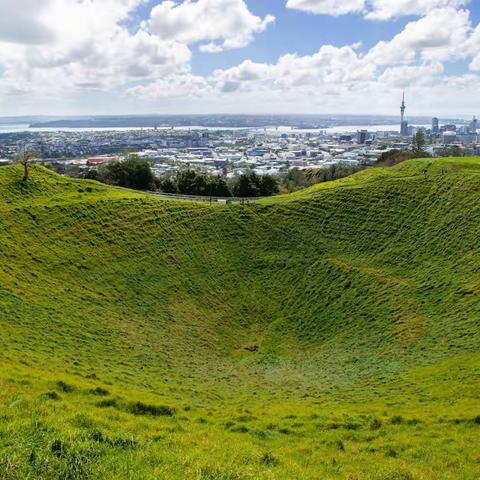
{"x": 125, "y": 321}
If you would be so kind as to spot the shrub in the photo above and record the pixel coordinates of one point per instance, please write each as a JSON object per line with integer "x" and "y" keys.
{"x": 340, "y": 445}
{"x": 118, "y": 442}
{"x": 391, "y": 452}
{"x": 51, "y": 395}
{"x": 140, "y": 408}
{"x": 245, "y": 418}
{"x": 100, "y": 391}
{"x": 121, "y": 442}
{"x": 375, "y": 424}
{"x": 269, "y": 459}
{"x": 58, "y": 448}
{"x": 413, "y": 421}
{"x": 96, "y": 436}
{"x": 107, "y": 403}
{"x": 65, "y": 387}
{"x": 397, "y": 420}
{"x": 240, "y": 429}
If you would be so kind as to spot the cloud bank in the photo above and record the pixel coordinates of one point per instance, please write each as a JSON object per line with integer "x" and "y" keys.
{"x": 56, "y": 50}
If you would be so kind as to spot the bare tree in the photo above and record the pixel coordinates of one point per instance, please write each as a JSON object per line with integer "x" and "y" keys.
{"x": 25, "y": 159}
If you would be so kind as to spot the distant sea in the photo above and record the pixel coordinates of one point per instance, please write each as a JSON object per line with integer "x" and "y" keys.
{"x": 19, "y": 128}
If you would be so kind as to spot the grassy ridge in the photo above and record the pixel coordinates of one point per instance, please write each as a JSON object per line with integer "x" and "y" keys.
{"x": 361, "y": 296}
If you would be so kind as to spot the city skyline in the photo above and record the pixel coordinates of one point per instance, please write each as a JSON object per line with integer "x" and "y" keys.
{"x": 62, "y": 57}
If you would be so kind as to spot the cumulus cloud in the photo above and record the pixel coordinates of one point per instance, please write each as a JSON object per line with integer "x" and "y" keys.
{"x": 172, "y": 86}
{"x": 85, "y": 47}
{"x": 328, "y": 7}
{"x": 408, "y": 75}
{"x": 330, "y": 66}
{"x": 222, "y": 24}
{"x": 387, "y": 9}
{"x": 51, "y": 47}
{"x": 374, "y": 9}
{"x": 471, "y": 48}
{"x": 428, "y": 38}
{"x": 76, "y": 47}
{"x": 21, "y": 22}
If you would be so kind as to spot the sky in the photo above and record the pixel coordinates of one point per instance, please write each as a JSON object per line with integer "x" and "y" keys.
{"x": 86, "y": 57}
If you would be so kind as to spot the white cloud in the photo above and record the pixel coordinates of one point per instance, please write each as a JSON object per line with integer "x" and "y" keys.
{"x": 472, "y": 47}
{"x": 21, "y": 22}
{"x": 222, "y": 24}
{"x": 328, "y": 7}
{"x": 83, "y": 49}
{"x": 330, "y": 66}
{"x": 59, "y": 49}
{"x": 387, "y": 9}
{"x": 86, "y": 48}
{"x": 428, "y": 37}
{"x": 374, "y": 9}
{"x": 172, "y": 86}
{"x": 408, "y": 75}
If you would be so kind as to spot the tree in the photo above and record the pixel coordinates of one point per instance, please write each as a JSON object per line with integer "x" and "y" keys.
{"x": 217, "y": 187}
{"x": 246, "y": 186}
{"x": 419, "y": 143}
{"x": 25, "y": 159}
{"x": 187, "y": 182}
{"x": 168, "y": 186}
{"x": 293, "y": 179}
{"x": 92, "y": 174}
{"x": 267, "y": 185}
{"x": 134, "y": 173}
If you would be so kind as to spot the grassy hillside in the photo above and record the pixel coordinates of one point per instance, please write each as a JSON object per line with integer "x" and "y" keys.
{"x": 328, "y": 334}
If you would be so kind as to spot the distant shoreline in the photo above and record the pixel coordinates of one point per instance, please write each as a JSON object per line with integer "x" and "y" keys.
{"x": 26, "y": 128}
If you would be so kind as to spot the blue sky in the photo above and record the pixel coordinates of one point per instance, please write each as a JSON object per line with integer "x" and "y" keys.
{"x": 300, "y": 32}
{"x": 239, "y": 56}
{"x": 303, "y": 33}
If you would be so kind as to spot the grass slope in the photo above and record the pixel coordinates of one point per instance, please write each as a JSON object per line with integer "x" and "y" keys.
{"x": 125, "y": 321}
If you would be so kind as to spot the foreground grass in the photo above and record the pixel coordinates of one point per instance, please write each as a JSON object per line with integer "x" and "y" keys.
{"x": 87, "y": 429}
{"x": 128, "y": 326}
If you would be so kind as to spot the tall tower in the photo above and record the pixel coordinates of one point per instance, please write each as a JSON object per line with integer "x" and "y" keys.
{"x": 473, "y": 126}
{"x": 403, "y": 123}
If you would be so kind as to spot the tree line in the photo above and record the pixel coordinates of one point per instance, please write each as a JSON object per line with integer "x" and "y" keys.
{"x": 136, "y": 173}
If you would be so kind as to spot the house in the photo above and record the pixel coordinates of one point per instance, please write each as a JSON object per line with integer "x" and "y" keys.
{"x": 95, "y": 161}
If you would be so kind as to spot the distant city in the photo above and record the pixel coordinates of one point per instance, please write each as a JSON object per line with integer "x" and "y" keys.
{"x": 229, "y": 145}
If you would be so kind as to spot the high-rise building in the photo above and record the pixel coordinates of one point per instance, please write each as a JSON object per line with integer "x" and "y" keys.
{"x": 449, "y": 137}
{"x": 473, "y": 126}
{"x": 362, "y": 136}
{"x": 403, "y": 123}
{"x": 435, "y": 125}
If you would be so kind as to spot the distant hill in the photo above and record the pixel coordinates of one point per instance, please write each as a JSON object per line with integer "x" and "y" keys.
{"x": 219, "y": 121}
{"x": 332, "y": 333}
